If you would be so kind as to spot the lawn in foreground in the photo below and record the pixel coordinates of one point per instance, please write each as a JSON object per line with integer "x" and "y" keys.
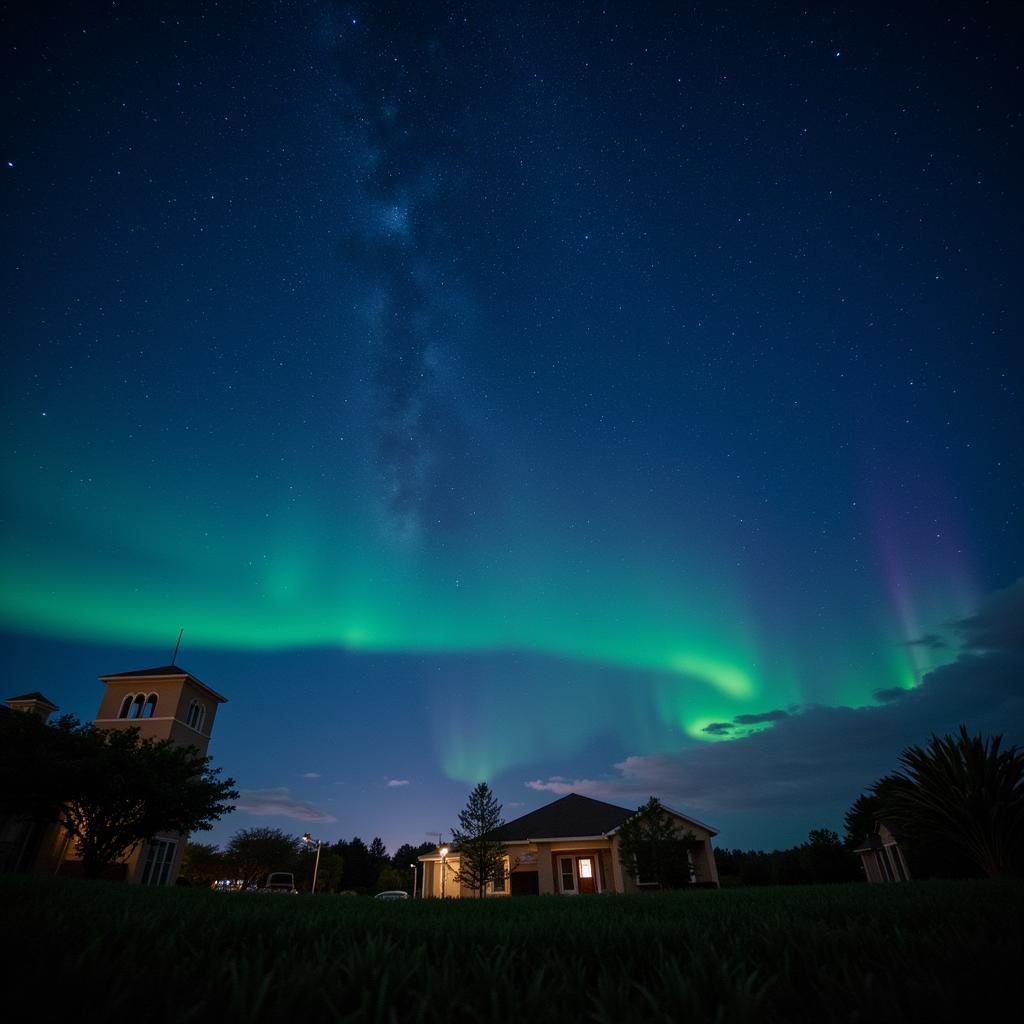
{"x": 921, "y": 951}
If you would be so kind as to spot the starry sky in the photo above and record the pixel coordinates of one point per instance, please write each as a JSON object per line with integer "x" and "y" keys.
{"x": 602, "y": 397}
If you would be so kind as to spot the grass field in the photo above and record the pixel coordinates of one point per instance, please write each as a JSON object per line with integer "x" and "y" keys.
{"x": 922, "y": 951}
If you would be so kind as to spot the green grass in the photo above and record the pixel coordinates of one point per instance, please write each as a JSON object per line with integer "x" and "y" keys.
{"x": 921, "y": 951}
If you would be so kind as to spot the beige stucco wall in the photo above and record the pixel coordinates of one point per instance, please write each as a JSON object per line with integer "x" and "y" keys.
{"x": 432, "y": 879}
{"x": 173, "y": 699}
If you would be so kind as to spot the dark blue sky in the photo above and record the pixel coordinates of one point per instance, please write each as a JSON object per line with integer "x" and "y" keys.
{"x": 608, "y": 397}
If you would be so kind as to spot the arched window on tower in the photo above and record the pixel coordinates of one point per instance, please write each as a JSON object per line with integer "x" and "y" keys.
{"x": 150, "y": 706}
{"x": 196, "y": 716}
{"x": 136, "y": 711}
{"x": 126, "y": 706}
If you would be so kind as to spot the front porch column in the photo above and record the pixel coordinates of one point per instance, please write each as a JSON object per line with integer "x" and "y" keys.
{"x": 618, "y": 884}
{"x": 545, "y": 876}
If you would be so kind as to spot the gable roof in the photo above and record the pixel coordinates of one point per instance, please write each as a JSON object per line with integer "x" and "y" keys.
{"x": 162, "y": 672}
{"x": 571, "y": 816}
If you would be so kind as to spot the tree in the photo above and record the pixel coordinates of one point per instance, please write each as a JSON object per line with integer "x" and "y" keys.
{"x": 328, "y": 874}
{"x": 965, "y": 792}
{"x": 108, "y": 788}
{"x": 202, "y": 865}
{"x": 408, "y": 854}
{"x": 393, "y": 878}
{"x": 254, "y": 853}
{"x": 860, "y": 819}
{"x": 824, "y": 858}
{"x": 332, "y": 867}
{"x": 360, "y": 872}
{"x": 481, "y": 852}
{"x": 652, "y": 849}
{"x": 378, "y": 856}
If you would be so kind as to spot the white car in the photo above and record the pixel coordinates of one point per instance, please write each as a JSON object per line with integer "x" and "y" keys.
{"x": 280, "y": 881}
{"x": 392, "y": 894}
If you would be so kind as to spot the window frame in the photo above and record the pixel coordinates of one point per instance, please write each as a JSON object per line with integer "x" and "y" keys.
{"x": 156, "y": 868}
{"x": 562, "y": 875}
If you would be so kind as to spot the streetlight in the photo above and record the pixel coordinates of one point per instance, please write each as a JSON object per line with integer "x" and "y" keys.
{"x": 444, "y": 866}
{"x": 307, "y": 839}
{"x": 413, "y": 866}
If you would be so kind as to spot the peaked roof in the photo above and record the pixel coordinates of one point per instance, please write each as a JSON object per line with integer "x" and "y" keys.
{"x": 34, "y": 695}
{"x": 162, "y": 672}
{"x": 571, "y": 816}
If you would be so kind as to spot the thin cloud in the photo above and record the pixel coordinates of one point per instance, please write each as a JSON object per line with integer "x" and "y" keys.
{"x": 764, "y": 716}
{"x": 932, "y": 641}
{"x": 278, "y": 802}
{"x": 998, "y": 625}
{"x": 311, "y": 775}
{"x": 717, "y": 728}
{"x": 391, "y": 783}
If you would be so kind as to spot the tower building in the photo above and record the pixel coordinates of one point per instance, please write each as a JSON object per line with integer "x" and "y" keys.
{"x": 163, "y": 703}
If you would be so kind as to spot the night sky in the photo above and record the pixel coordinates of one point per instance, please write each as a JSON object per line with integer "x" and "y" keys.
{"x": 611, "y": 398}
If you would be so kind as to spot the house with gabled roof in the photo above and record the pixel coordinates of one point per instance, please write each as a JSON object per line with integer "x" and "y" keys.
{"x": 569, "y": 847}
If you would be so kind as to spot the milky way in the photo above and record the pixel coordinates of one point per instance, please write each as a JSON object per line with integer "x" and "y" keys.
{"x": 627, "y": 385}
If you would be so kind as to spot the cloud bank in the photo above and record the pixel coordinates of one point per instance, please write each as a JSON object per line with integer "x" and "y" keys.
{"x": 818, "y": 759}
{"x": 278, "y": 802}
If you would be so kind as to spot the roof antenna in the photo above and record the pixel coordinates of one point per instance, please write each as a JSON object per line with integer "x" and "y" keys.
{"x": 174, "y": 657}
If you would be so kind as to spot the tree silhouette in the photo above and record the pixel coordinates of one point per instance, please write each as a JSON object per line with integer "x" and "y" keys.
{"x": 254, "y": 853}
{"x": 108, "y": 788}
{"x": 965, "y": 792}
{"x": 481, "y": 853}
{"x": 652, "y": 849}
{"x": 859, "y": 820}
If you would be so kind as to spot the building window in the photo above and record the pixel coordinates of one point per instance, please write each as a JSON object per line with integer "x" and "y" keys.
{"x": 126, "y": 706}
{"x": 568, "y": 877}
{"x": 498, "y": 883}
{"x": 140, "y": 699}
{"x": 644, "y": 872}
{"x": 149, "y": 707}
{"x": 159, "y": 858}
{"x": 196, "y": 716}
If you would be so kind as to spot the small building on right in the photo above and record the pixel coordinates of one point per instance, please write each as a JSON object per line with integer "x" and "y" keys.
{"x": 881, "y": 856}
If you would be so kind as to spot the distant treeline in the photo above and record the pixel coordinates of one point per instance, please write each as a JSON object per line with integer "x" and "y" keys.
{"x": 347, "y": 865}
{"x": 823, "y": 858}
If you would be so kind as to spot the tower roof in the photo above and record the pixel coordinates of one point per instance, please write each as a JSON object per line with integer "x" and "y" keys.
{"x": 35, "y": 696}
{"x": 161, "y": 672}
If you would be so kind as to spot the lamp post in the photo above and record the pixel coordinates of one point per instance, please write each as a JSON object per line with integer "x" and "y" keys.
{"x": 413, "y": 866}
{"x": 444, "y": 866}
{"x": 307, "y": 839}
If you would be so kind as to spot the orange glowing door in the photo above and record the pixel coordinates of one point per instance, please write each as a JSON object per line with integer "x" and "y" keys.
{"x": 585, "y": 870}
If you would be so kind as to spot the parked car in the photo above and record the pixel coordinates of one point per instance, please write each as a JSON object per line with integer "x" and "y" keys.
{"x": 392, "y": 894}
{"x": 280, "y": 881}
